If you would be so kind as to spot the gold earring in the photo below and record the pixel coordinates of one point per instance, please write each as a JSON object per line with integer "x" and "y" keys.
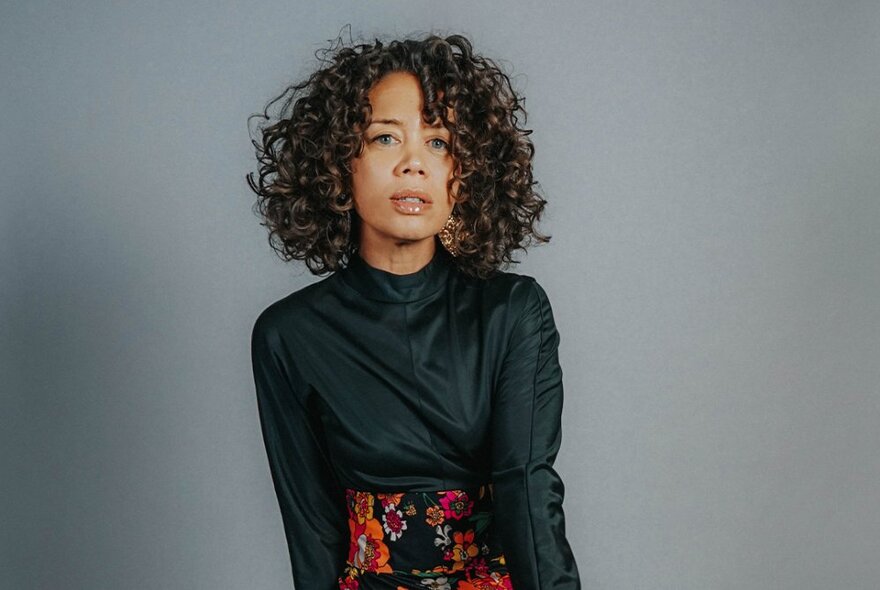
{"x": 451, "y": 234}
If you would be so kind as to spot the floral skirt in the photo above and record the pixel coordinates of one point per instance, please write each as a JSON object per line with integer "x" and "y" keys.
{"x": 440, "y": 540}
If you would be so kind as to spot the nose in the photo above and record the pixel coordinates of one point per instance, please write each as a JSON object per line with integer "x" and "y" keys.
{"x": 411, "y": 164}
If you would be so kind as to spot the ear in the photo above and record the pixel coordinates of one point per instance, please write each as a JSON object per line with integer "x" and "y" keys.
{"x": 453, "y": 193}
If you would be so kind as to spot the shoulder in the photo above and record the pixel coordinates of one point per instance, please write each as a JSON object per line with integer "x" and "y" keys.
{"x": 285, "y": 314}
{"x": 521, "y": 305}
{"x": 520, "y": 294}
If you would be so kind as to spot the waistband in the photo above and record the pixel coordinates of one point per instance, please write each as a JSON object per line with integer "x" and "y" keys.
{"x": 434, "y": 539}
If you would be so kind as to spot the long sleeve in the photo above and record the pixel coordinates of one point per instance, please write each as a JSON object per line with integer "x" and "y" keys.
{"x": 526, "y": 436}
{"x": 311, "y": 500}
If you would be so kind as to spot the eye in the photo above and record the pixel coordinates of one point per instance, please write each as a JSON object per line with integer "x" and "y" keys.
{"x": 380, "y": 139}
{"x": 442, "y": 143}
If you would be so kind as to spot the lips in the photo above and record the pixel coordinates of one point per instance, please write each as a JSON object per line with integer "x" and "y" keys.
{"x": 420, "y": 194}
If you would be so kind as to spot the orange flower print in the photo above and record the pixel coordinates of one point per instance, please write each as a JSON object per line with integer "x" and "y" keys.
{"x": 367, "y": 551}
{"x": 464, "y": 555}
{"x": 456, "y": 504}
{"x": 463, "y": 550}
{"x": 393, "y": 499}
{"x": 493, "y": 583}
{"x": 360, "y": 505}
{"x": 435, "y": 515}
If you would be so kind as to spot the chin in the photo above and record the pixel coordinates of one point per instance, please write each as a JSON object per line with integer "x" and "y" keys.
{"x": 411, "y": 237}
{"x": 414, "y": 233}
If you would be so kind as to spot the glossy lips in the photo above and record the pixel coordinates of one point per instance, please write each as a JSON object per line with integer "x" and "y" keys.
{"x": 410, "y": 206}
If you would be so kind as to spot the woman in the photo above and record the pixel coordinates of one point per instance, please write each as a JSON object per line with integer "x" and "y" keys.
{"x": 410, "y": 402}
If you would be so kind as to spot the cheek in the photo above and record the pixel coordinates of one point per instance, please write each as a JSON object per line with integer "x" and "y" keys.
{"x": 361, "y": 174}
{"x": 443, "y": 170}
{"x": 367, "y": 168}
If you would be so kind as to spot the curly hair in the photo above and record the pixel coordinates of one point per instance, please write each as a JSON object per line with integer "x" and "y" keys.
{"x": 304, "y": 183}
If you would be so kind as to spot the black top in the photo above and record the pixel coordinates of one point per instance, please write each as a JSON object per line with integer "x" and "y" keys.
{"x": 427, "y": 381}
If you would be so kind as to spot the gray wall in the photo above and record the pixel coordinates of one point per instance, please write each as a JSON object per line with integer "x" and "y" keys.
{"x": 713, "y": 172}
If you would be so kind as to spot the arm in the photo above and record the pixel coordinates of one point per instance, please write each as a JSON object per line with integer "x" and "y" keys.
{"x": 526, "y": 435}
{"x": 311, "y": 501}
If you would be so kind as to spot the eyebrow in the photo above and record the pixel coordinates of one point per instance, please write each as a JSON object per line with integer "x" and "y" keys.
{"x": 386, "y": 122}
{"x": 400, "y": 124}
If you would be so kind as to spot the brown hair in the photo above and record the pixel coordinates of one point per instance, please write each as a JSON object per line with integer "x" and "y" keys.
{"x": 304, "y": 183}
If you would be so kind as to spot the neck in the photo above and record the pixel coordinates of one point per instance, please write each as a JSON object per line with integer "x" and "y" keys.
{"x": 400, "y": 258}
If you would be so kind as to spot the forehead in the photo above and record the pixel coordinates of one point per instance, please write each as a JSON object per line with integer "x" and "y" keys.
{"x": 397, "y": 94}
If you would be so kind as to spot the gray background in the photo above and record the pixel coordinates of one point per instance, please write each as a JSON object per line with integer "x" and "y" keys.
{"x": 713, "y": 172}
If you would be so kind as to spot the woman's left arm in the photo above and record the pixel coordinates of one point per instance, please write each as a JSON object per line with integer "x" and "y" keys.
{"x": 526, "y": 436}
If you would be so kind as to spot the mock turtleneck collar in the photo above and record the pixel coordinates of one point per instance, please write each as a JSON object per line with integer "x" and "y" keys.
{"x": 381, "y": 285}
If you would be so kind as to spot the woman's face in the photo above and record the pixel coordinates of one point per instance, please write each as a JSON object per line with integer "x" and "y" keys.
{"x": 401, "y": 156}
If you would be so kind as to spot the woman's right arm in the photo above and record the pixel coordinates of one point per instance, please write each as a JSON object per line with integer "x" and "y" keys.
{"x": 311, "y": 500}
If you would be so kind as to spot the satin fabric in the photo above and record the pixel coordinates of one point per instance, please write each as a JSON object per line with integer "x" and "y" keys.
{"x": 369, "y": 380}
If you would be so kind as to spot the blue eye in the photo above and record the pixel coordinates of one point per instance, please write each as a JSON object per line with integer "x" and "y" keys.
{"x": 443, "y": 144}
{"x": 379, "y": 137}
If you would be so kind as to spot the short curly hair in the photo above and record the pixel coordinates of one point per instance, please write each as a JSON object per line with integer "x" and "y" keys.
{"x": 304, "y": 183}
